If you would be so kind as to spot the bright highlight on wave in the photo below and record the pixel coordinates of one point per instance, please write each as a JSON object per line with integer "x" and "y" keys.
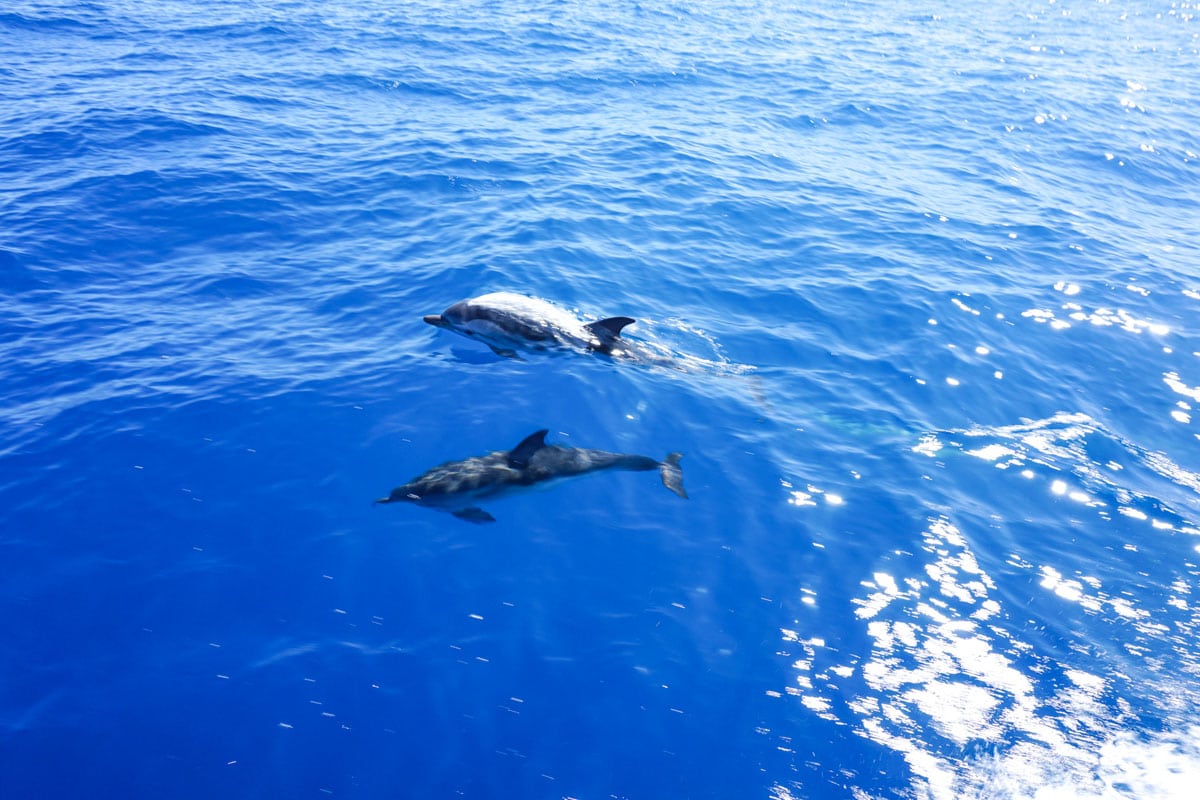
{"x": 1072, "y": 312}
{"x": 981, "y": 677}
{"x": 976, "y": 712}
{"x": 1164, "y": 767}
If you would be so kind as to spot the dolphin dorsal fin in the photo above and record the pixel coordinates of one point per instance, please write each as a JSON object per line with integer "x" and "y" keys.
{"x": 519, "y": 456}
{"x": 608, "y": 329}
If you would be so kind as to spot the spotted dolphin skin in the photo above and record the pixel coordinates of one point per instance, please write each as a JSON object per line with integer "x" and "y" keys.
{"x": 509, "y": 322}
{"x": 457, "y": 486}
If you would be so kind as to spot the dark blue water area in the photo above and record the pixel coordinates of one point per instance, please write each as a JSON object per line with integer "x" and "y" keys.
{"x": 923, "y": 283}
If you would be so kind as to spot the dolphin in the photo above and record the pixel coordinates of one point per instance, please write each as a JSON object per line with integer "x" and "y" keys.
{"x": 457, "y": 486}
{"x": 508, "y": 322}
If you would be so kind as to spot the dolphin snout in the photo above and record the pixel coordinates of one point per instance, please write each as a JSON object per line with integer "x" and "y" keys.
{"x": 435, "y": 320}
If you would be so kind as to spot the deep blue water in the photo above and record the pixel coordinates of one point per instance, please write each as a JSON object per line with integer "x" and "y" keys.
{"x": 931, "y": 272}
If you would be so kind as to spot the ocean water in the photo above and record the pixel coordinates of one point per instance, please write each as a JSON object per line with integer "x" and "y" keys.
{"x": 929, "y": 274}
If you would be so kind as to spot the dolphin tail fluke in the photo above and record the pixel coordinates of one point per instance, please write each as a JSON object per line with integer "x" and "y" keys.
{"x": 672, "y": 475}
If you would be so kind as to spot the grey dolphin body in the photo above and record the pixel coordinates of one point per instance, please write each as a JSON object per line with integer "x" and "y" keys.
{"x": 508, "y": 322}
{"x": 457, "y": 486}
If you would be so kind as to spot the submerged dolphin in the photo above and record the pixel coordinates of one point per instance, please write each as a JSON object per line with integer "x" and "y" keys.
{"x": 508, "y": 322}
{"x": 457, "y": 485}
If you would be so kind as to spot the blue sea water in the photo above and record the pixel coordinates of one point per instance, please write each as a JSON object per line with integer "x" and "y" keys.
{"x": 931, "y": 275}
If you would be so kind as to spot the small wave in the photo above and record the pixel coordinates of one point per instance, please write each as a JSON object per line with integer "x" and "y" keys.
{"x": 1083, "y": 462}
{"x": 77, "y": 22}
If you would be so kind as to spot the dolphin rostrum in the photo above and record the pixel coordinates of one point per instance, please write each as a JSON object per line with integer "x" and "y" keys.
{"x": 508, "y": 322}
{"x": 457, "y": 486}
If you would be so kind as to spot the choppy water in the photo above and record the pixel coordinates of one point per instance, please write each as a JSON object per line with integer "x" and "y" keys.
{"x": 933, "y": 272}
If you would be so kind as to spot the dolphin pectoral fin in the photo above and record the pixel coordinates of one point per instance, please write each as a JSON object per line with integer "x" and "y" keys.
{"x": 473, "y": 514}
{"x": 505, "y": 352}
{"x": 519, "y": 456}
{"x": 672, "y": 475}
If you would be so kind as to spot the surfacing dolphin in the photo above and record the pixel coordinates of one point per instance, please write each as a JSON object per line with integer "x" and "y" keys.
{"x": 509, "y": 322}
{"x": 457, "y": 486}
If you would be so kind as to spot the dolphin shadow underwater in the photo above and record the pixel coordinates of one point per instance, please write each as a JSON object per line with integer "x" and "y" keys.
{"x": 457, "y": 486}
